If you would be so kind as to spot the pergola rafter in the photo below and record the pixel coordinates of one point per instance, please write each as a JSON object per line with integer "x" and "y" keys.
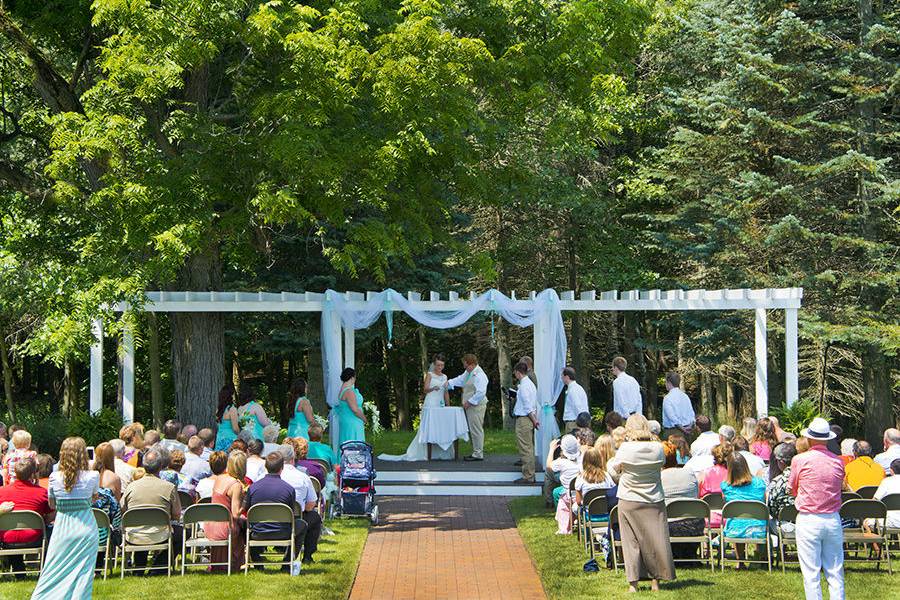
{"x": 759, "y": 300}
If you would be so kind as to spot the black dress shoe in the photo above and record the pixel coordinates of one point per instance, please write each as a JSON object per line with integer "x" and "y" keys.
{"x": 518, "y": 463}
{"x": 472, "y": 458}
{"x": 523, "y": 481}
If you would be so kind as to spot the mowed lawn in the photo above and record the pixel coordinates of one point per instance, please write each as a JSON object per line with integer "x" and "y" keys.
{"x": 330, "y": 578}
{"x": 559, "y": 561}
{"x": 496, "y": 441}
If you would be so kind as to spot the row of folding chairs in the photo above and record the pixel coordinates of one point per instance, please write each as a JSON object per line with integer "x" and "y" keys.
{"x": 595, "y": 520}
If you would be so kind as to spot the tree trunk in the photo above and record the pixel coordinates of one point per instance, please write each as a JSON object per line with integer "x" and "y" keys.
{"x": 721, "y": 388}
{"x": 876, "y": 373}
{"x": 155, "y": 372}
{"x": 7, "y": 379}
{"x": 707, "y": 402}
{"x": 314, "y": 382}
{"x": 198, "y": 345}
{"x": 423, "y": 349}
{"x": 504, "y": 366}
{"x": 70, "y": 388}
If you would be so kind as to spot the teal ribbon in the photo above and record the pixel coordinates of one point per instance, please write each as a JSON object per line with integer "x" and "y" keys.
{"x": 389, "y": 319}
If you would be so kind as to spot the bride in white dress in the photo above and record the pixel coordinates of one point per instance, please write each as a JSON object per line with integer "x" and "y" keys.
{"x": 436, "y": 395}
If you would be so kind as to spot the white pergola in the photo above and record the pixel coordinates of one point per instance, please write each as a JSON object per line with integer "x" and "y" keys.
{"x": 757, "y": 300}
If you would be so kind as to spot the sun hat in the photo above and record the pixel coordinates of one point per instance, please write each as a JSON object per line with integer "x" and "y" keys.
{"x": 819, "y": 430}
{"x": 570, "y": 446}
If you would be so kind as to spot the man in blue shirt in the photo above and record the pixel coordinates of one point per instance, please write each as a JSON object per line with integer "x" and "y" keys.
{"x": 271, "y": 488}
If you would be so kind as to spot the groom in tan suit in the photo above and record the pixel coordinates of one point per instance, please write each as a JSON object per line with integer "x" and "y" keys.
{"x": 474, "y": 382}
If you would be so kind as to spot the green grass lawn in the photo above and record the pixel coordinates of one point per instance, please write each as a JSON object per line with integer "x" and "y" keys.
{"x": 496, "y": 441}
{"x": 330, "y": 578}
{"x": 559, "y": 561}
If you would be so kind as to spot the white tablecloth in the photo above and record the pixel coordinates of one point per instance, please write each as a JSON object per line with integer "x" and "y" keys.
{"x": 443, "y": 426}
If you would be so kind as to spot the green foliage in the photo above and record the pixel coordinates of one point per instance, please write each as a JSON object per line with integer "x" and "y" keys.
{"x": 94, "y": 429}
{"x": 798, "y": 416}
{"x": 47, "y": 429}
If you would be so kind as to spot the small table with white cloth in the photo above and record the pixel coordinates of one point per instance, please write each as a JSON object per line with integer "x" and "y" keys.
{"x": 443, "y": 426}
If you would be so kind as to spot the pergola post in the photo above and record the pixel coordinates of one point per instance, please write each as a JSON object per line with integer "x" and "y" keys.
{"x": 349, "y": 347}
{"x": 96, "y": 388}
{"x": 542, "y": 363}
{"x": 127, "y": 374}
{"x": 791, "y": 357}
{"x": 331, "y": 368}
{"x": 761, "y": 353}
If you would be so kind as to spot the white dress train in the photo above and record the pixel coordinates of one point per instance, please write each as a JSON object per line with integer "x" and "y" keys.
{"x": 417, "y": 449}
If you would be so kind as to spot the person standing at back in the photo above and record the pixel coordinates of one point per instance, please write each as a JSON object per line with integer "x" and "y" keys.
{"x": 816, "y": 479}
{"x": 677, "y": 411}
{"x": 525, "y": 412}
{"x": 576, "y": 399}
{"x": 626, "y": 391}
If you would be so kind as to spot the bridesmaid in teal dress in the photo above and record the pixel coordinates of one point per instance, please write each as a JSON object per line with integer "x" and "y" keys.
{"x": 351, "y": 419}
{"x": 251, "y": 415}
{"x": 226, "y": 417}
{"x": 303, "y": 412}
{"x": 68, "y": 571}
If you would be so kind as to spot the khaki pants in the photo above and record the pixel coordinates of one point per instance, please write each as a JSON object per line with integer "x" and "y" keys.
{"x": 525, "y": 443}
{"x": 475, "y": 419}
{"x": 570, "y": 425}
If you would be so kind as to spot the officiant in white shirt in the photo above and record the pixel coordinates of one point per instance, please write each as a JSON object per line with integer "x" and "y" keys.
{"x": 474, "y": 382}
{"x": 525, "y": 412}
{"x": 576, "y": 399}
{"x": 627, "y": 399}
{"x": 677, "y": 410}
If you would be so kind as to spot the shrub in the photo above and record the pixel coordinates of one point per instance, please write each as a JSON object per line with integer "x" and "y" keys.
{"x": 47, "y": 428}
{"x": 797, "y": 417}
{"x": 100, "y": 427}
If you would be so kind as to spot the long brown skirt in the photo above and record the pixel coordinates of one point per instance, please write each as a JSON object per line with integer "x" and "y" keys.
{"x": 645, "y": 541}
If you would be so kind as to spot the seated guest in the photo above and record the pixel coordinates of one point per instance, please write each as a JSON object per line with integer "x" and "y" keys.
{"x": 316, "y": 448}
{"x": 272, "y": 488}
{"x": 256, "y": 464}
{"x": 208, "y": 438}
{"x": 756, "y": 465}
{"x": 132, "y": 437}
{"x": 170, "y": 442}
{"x": 151, "y": 491}
{"x": 711, "y": 479}
{"x": 741, "y": 485}
{"x": 218, "y": 462}
{"x": 763, "y": 439}
{"x": 228, "y": 491}
{"x": 707, "y": 439}
{"x": 122, "y": 468}
{"x": 593, "y": 477}
{"x": 618, "y": 436}
{"x": 302, "y": 462}
{"x": 834, "y": 444}
{"x": 151, "y": 438}
{"x": 195, "y": 466}
{"x": 847, "y": 450}
{"x": 44, "y": 469}
{"x": 779, "y": 432}
{"x": 270, "y": 438}
{"x": 862, "y": 470}
{"x": 174, "y": 475}
{"x": 701, "y": 462}
{"x": 566, "y": 467}
{"x": 21, "y": 448}
{"x": 240, "y": 445}
{"x": 25, "y": 494}
{"x": 891, "y": 449}
{"x": 612, "y": 421}
{"x": 187, "y": 432}
{"x": 655, "y": 427}
{"x": 778, "y": 491}
{"x": 681, "y": 483}
{"x": 109, "y": 493}
{"x": 748, "y": 429}
{"x": 585, "y": 436}
{"x": 890, "y": 485}
{"x": 683, "y": 449}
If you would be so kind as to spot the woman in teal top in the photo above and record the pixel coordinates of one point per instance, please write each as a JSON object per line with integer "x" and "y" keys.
{"x": 303, "y": 413}
{"x": 741, "y": 485}
{"x": 251, "y": 415}
{"x": 226, "y": 417}
{"x": 351, "y": 419}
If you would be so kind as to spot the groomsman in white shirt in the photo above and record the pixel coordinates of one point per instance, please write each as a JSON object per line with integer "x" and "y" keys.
{"x": 677, "y": 410}
{"x": 626, "y": 390}
{"x": 474, "y": 383}
{"x": 576, "y": 399}
{"x": 525, "y": 412}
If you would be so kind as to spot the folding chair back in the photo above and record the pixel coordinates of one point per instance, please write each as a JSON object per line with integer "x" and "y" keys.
{"x": 24, "y": 519}
{"x": 891, "y": 502}
{"x": 787, "y": 514}
{"x": 102, "y": 520}
{"x": 145, "y": 516}
{"x": 745, "y": 509}
{"x": 860, "y": 510}
{"x": 205, "y": 513}
{"x": 714, "y": 500}
{"x": 594, "y": 506}
{"x": 845, "y": 496}
{"x": 867, "y": 492}
{"x": 269, "y": 512}
{"x": 317, "y": 487}
{"x": 691, "y": 508}
{"x": 185, "y": 499}
{"x": 613, "y": 542}
{"x": 325, "y": 466}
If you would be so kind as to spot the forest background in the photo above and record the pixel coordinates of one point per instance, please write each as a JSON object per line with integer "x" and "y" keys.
{"x": 447, "y": 145}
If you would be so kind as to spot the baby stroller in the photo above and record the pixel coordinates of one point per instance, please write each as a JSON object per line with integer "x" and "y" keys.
{"x": 356, "y": 485}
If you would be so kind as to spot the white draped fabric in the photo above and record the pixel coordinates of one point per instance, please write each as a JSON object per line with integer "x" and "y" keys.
{"x": 542, "y": 312}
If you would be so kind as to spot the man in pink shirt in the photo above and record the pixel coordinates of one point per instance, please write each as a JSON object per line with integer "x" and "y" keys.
{"x": 816, "y": 479}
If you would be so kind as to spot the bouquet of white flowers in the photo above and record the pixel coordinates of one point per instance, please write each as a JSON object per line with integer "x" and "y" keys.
{"x": 322, "y": 421}
{"x": 371, "y": 411}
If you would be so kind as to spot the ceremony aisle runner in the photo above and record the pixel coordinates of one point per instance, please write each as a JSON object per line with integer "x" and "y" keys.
{"x": 436, "y": 547}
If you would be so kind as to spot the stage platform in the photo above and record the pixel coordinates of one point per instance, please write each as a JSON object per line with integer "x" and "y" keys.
{"x": 494, "y": 476}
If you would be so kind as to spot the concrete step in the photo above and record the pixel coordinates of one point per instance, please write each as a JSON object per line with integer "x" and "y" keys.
{"x": 451, "y": 477}
{"x": 459, "y": 489}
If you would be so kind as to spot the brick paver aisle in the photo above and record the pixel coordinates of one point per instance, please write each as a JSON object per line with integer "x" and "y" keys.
{"x": 445, "y": 547}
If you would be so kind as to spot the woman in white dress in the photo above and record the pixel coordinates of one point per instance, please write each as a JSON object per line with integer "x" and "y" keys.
{"x": 436, "y": 395}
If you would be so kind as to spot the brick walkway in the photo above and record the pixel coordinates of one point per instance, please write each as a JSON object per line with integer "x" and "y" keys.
{"x": 460, "y": 547}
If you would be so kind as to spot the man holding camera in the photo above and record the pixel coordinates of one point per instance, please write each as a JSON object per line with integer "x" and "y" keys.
{"x": 525, "y": 412}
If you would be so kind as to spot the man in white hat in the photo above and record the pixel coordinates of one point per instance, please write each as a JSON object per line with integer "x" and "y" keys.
{"x": 816, "y": 480}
